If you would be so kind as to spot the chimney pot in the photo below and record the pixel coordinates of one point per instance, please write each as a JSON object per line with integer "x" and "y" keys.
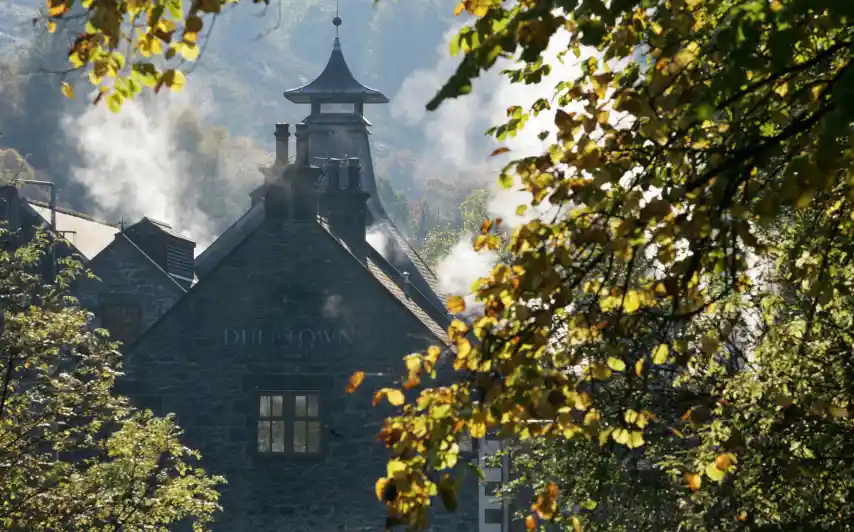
{"x": 282, "y": 135}
{"x": 302, "y": 144}
{"x": 334, "y": 173}
{"x": 354, "y": 172}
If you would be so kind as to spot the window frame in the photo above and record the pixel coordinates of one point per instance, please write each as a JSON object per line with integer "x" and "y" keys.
{"x": 290, "y": 418}
{"x": 108, "y": 306}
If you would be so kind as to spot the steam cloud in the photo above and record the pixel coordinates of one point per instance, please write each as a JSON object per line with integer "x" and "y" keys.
{"x": 454, "y": 140}
{"x": 158, "y": 158}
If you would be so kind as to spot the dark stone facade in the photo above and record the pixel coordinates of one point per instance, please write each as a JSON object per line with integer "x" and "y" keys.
{"x": 290, "y": 309}
{"x": 127, "y": 278}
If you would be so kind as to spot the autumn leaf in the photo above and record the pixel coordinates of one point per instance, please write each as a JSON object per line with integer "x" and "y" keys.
{"x": 660, "y": 354}
{"x": 394, "y": 397}
{"x": 355, "y": 381}
{"x": 530, "y": 522}
{"x": 67, "y": 90}
{"x": 694, "y": 481}
{"x": 499, "y": 151}
{"x": 456, "y": 305}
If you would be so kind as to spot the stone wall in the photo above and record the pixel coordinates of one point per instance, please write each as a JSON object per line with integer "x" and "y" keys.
{"x": 127, "y": 277}
{"x": 289, "y": 309}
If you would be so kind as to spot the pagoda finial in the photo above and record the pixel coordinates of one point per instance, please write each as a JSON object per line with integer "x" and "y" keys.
{"x": 337, "y": 20}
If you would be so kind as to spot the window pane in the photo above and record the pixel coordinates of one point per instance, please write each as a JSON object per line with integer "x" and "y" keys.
{"x": 299, "y": 437}
{"x": 265, "y": 406}
{"x": 313, "y": 410}
{"x": 314, "y": 437}
{"x": 278, "y": 436}
{"x": 277, "y": 406}
{"x": 263, "y": 436}
{"x": 299, "y": 407}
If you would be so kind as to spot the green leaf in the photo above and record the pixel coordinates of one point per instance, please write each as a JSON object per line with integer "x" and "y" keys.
{"x": 616, "y": 364}
{"x": 660, "y": 354}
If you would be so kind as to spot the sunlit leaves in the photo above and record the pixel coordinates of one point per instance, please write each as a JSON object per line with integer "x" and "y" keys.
{"x": 696, "y": 261}
{"x": 68, "y": 443}
{"x": 162, "y": 30}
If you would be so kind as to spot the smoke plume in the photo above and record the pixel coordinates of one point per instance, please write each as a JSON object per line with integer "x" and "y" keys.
{"x": 159, "y": 158}
{"x": 454, "y": 140}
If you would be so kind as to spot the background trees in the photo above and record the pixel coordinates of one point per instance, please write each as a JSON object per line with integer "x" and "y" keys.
{"x": 73, "y": 456}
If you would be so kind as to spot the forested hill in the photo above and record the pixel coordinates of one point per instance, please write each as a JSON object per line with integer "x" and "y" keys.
{"x": 198, "y": 155}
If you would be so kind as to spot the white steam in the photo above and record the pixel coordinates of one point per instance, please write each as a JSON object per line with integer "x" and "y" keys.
{"x": 158, "y": 158}
{"x": 455, "y": 141}
{"x": 378, "y": 240}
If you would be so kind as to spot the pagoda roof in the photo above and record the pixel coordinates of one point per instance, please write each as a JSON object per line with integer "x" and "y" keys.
{"x": 335, "y": 84}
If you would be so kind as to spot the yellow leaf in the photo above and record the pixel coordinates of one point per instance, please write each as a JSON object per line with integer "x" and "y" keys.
{"x": 576, "y": 524}
{"x": 530, "y": 522}
{"x": 714, "y": 473}
{"x": 51, "y": 26}
{"x": 394, "y": 468}
{"x": 456, "y": 304}
{"x": 459, "y": 9}
{"x": 355, "y": 380}
{"x": 174, "y": 79}
{"x": 67, "y": 90}
{"x": 621, "y": 436}
{"x": 632, "y": 302}
{"x": 694, "y": 481}
{"x": 190, "y": 51}
{"x": 639, "y": 367}
{"x": 635, "y": 439}
{"x": 394, "y": 397}
{"x": 616, "y": 364}
{"x": 379, "y": 488}
{"x": 660, "y": 354}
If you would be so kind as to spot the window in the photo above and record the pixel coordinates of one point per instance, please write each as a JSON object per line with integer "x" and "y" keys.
{"x": 289, "y": 423}
{"x": 493, "y": 516}
{"x": 122, "y": 321}
{"x": 334, "y": 108}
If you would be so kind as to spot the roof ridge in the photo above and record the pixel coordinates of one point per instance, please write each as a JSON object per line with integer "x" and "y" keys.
{"x": 74, "y": 213}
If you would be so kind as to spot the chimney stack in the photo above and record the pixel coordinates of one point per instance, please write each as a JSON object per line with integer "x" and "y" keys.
{"x": 354, "y": 174}
{"x": 334, "y": 173}
{"x": 303, "y": 158}
{"x": 282, "y": 136}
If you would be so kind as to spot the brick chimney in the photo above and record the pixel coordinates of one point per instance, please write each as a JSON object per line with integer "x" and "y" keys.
{"x": 282, "y": 138}
{"x": 294, "y": 196}
{"x": 303, "y": 157}
{"x": 345, "y": 208}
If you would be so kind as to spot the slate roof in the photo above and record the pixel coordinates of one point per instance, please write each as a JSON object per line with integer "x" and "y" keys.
{"x": 392, "y": 281}
{"x": 163, "y": 226}
{"x": 119, "y": 239}
{"x": 230, "y": 239}
{"x": 335, "y": 84}
{"x": 88, "y": 235}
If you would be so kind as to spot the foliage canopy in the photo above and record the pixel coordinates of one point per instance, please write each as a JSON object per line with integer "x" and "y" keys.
{"x": 688, "y": 311}
{"x": 74, "y": 456}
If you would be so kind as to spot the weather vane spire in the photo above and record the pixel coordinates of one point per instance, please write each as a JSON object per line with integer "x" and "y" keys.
{"x": 337, "y": 20}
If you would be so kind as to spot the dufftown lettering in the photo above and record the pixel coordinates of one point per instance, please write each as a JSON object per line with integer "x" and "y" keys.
{"x": 279, "y": 337}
